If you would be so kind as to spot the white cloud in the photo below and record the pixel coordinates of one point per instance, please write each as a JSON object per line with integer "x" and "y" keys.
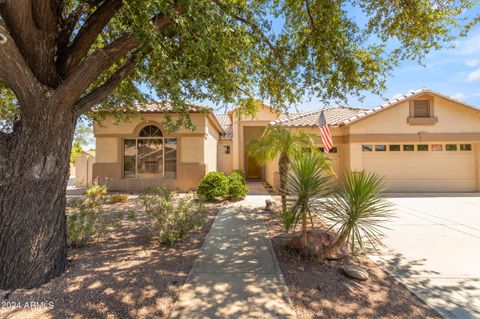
{"x": 459, "y": 96}
{"x": 472, "y": 62}
{"x": 471, "y": 45}
{"x": 474, "y": 76}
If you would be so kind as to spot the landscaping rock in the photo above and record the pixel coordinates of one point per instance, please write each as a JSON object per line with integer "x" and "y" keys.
{"x": 269, "y": 205}
{"x": 355, "y": 272}
{"x": 317, "y": 241}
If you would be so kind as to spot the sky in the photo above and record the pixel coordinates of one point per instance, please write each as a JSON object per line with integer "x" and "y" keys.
{"x": 453, "y": 72}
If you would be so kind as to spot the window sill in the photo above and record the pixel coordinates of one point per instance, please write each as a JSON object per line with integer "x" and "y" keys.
{"x": 422, "y": 120}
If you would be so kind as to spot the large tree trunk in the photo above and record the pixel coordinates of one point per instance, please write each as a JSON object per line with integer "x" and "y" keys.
{"x": 283, "y": 168}
{"x": 34, "y": 166}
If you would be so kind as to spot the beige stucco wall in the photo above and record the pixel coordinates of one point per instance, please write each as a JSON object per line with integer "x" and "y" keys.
{"x": 211, "y": 146}
{"x": 84, "y": 169}
{"x": 452, "y": 118}
{"x": 224, "y": 161}
{"x": 193, "y": 159}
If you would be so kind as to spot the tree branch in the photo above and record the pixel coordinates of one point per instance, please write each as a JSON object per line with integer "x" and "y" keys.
{"x": 15, "y": 72}
{"x": 36, "y": 44}
{"x": 102, "y": 92}
{"x": 256, "y": 29}
{"x": 93, "y": 66}
{"x": 310, "y": 16}
{"x": 68, "y": 25}
{"x": 88, "y": 34}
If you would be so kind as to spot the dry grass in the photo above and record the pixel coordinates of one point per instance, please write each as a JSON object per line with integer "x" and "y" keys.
{"x": 118, "y": 276}
{"x": 323, "y": 291}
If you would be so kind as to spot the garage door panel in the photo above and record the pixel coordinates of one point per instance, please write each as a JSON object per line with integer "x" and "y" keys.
{"x": 429, "y": 171}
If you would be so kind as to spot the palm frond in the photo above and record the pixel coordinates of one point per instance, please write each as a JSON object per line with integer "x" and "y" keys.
{"x": 307, "y": 179}
{"x": 359, "y": 209}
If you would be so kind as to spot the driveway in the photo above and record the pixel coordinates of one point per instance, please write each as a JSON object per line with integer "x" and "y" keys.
{"x": 433, "y": 247}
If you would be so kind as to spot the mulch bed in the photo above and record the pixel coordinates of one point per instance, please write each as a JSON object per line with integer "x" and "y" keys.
{"x": 323, "y": 291}
{"x": 120, "y": 275}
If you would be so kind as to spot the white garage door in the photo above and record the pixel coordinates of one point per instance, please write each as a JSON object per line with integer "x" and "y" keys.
{"x": 431, "y": 170}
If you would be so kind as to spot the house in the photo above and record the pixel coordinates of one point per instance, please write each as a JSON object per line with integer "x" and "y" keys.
{"x": 83, "y": 168}
{"x": 423, "y": 141}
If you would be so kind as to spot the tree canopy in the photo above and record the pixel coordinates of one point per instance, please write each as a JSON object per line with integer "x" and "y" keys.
{"x": 112, "y": 53}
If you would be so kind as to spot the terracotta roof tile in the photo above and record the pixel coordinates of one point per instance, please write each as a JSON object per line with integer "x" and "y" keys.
{"x": 333, "y": 115}
{"x": 224, "y": 120}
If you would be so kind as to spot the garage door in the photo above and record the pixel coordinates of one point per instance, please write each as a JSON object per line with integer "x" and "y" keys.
{"x": 428, "y": 168}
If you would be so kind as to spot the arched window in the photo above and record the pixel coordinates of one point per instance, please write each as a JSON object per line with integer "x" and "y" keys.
{"x": 150, "y": 155}
{"x": 150, "y": 131}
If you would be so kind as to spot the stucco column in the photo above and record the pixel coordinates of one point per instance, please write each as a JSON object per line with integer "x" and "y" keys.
{"x": 355, "y": 162}
{"x": 235, "y": 144}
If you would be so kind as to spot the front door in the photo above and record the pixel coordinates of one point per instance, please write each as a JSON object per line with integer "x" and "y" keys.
{"x": 254, "y": 171}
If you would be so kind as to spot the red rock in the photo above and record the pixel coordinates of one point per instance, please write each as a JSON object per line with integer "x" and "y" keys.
{"x": 317, "y": 241}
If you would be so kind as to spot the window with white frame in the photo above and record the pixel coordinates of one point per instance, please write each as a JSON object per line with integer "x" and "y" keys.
{"x": 150, "y": 155}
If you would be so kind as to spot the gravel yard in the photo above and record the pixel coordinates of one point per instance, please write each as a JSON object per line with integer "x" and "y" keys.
{"x": 120, "y": 275}
{"x": 323, "y": 291}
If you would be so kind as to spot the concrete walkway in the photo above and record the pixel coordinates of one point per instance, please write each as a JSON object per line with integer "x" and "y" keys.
{"x": 236, "y": 274}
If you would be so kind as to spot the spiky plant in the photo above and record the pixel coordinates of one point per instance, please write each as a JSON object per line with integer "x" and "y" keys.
{"x": 281, "y": 142}
{"x": 309, "y": 178}
{"x": 357, "y": 209}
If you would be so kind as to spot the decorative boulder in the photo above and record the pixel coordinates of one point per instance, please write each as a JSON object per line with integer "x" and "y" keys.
{"x": 270, "y": 205}
{"x": 317, "y": 241}
{"x": 355, "y": 272}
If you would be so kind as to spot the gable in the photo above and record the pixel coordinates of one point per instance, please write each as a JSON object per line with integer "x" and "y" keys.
{"x": 264, "y": 113}
{"x": 453, "y": 117}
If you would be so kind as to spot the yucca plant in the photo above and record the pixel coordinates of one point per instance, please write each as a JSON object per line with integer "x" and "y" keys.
{"x": 309, "y": 178}
{"x": 357, "y": 210}
{"x": 277, "y": 141}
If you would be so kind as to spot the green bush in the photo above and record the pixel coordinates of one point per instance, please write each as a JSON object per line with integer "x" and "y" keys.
{"x": 118, "y": 198}
{"x": 96, "y": 191}
{"x": 84, "y": 222}
{"x": 214, "y": 184}
{"x": 237, "y": 188}
{"x": 169, "y": 215}
{"x": 239, "y": 171}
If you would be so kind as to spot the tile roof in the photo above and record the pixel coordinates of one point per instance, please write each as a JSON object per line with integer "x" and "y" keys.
{"x": 333, "y": 115}
{"x": 224, "y": 120}
{"x": 166, "y": 106}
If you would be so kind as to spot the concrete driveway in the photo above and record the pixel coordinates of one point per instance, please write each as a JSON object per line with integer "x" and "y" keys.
{"x": 433, "y": 247}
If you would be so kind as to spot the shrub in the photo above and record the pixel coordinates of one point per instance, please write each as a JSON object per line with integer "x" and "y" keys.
{"x": 359, "y": 210}
{"x": 214, "y": 184}
{"x": 84, "y": 223}
{"x": 96, "y": 191}
{"x": 169, "y": 215}
{"x": 118, "y": 198}
{"x": 240, "y": 172}
{"x": 287, "y": 218}
{"x": 131, "y": 215}
{"x": 237, "y": 188}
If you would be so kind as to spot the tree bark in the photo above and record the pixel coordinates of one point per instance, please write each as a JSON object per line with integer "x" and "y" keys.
{"x": 34, "y": 165}
{"x": 283, "y": 168}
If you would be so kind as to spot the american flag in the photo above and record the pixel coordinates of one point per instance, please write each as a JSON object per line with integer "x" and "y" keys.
{"x": 325, "y": 133}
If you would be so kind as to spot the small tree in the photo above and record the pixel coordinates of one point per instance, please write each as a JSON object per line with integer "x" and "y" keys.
{"x": 358, "y": 209}
{"x": 277, "y": 141}
{"x": 309, "y": 178}
{"x": 75, "y": 152}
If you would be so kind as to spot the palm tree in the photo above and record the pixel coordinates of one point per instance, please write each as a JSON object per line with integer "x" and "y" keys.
{"x": 358, "y": 208}
{"x": 279, "y": 141}
{"x": 309, "y": 178}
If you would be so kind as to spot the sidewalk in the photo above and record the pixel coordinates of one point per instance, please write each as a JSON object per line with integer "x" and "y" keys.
{"x": 236, "y": 274}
